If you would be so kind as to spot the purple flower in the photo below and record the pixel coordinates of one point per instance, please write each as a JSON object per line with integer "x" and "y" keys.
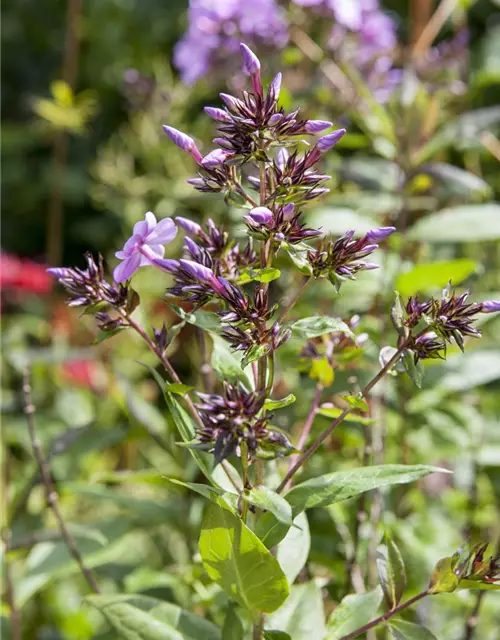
{"x": 145, "y": 245}
{"x": 251, "y": 66}
{"x": 217, "y": 114}
{"x": 327, "y": 142}
{"x": 260, "y": 215}
{"x": 188, "y": 225}
{"x": 275, "y": 87}
{"x": 490, "y": 306}
{"x": 315, "y": 126}
{"x": 184, "y": 142}
{"x": 216, "y": 157}
{"x": 376, "y": 235}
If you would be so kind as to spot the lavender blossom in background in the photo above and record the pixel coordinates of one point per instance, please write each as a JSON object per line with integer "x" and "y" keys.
{"x": 216, "y": 28}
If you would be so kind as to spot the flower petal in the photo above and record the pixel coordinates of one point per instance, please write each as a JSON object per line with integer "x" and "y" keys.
{"x": 164, "y": 232}
{"x": 157, "y": 249}
{"x": 150, "y": 219}
{"x": 131, "y": 244}
{"x": 127, "y": 268}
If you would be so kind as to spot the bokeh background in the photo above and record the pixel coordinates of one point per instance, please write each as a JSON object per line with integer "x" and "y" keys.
{"x": 87, "y": 85}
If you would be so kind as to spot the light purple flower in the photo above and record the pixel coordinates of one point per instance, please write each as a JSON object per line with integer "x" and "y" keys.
{"x": 145, "y": 245}
{"x": 315, "y": 126}
{"x": 327, "y": 142}
{"x": 275, "y": 119}
{"x": 217, "y": 114}
{"x": 275, "y": 86}
{"x": 188, "y": 225}
{"x": 184, "y": 142}
{"x": 198, "y": 271}
{"x": 216, "y": 157}
{"x": 282, "y": 158}
{"x": 490, "y": 306}
{"x": 260, "y": 215}
{"x": 230, "y": 101}
{"x": 376, "y": 235}
{"x": 251, "y": 66}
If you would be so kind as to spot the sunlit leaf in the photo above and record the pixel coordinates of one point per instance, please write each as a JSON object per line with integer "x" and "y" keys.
{"x": 434, "y": 275}
{"x": 353, "y": 612}
{"x": 302, "y": 616}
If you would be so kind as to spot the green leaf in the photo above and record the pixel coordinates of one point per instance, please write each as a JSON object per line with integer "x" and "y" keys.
{"x": 144, "y": 618}
{"x": 322, "y": 371}
{"x": 457, "y": 181}
{"x": 233, "y": 627}
{"x": 227, "y": 363}
{"x": 443, "y": 579}
{"x": 482, "y": 586}
{"x": 462, "y": 132}
{"x": 293, "y": 550}
{"x": 267, "y": 499}
{"x": 299, "y": 259}
{"x": 335, "y": 412}
{"x": 391, "y": 572}
{"x": 353, "y": 612}
{"x": 337, "y": 219}
{"x": 276, "y": 635}
{"x": 341, "y": 485}
{"x": 178, "y": 388}
{"x": 469, "y": 370}
{"x": 183, "y": 424}
{"x": 302, "y": 616}
{"x": 268, "y": 274}
{"x": 254, "y": 353}
{"x": 434, "y": 275}
{"x": 414, "y": 369}
{"x": 403, "y": 630}
{"x": 466, "y": 223}
{"x": 238, "y": 561}
{"x": 204, "y": 490}
{"x": 203, "y": 319}
{"x": 356, "y": 402}
{"x": 318, "y": 326}
{"x": 271, "y": 405}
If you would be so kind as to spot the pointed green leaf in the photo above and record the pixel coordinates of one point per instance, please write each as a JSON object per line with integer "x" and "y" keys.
{"x": 302, "y": 616}
{"x": 391, "y": 572}
{"x": 434, "y": 275}
{"x": 238, "y": 561}
{"x": 403, "y": 630}
{"x": 276, "y": 635}
{"x": 233, "y": 627}
{"x": 271, "y": 405}
{"x": 341, "y": 485}
{"x": 267, "y": 499}
{"x": 318, "y": 326}
{"x": 292, "y": 552}
{"x": 178, "y": 388}
{"x": 443, "y": 579}
{"x": 353, "y": 612}
{"x": 227, "y": 363}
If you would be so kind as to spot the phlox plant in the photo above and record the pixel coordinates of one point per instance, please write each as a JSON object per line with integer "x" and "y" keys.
{"x": 255, "y": 476}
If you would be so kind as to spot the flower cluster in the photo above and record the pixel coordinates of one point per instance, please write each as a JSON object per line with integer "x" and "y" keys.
{"x": 449, "y": 319}
{"x": 216, "y": 28}
{"x": 343, "y": 258}
{"x": 282, "y": 224}
{"x": 234, "y": 418}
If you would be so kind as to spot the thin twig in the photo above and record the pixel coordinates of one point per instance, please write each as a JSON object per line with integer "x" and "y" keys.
{"x": 50, "y": 491}
{"x": 294, "y": 300}
{"x": 306, "y": 429}
{"x": 385, "y": 616}
{"x": 473, "y": 619}
{"x": 14, "y": 617}
{"x": 317, "y": 443}
{"x": 434, "y": 26}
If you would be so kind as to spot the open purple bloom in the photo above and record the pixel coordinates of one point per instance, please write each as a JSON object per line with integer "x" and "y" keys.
{"x": 145, "y": 245}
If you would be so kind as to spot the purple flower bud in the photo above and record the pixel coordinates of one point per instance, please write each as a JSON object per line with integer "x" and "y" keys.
{"x": 288, "y": 210}
{"x": 376, "y": 235}
{"x": 198, "y": 271}
{"x": 369, "y": 266}
{"x": 327, "y": 142}
{"x": 261, "y": 215}
{"x": 196, "y": 182}
{"x": 282, "y": 158}
{"x": 275, "y": 86}
{"x": 488, "y": 306}
{"x": 183, "y": 141}
{"x": 369, "y": 248}
{"x": 275, "y": 119}
{"x": 191, "y": 246}
{"x": 171, "y": 266}
{"x": 230, "y": 101}
{"x": 59, "y": 272}
{"x": 315, "y": 126}
{"x": 222, "y": 142}
{"x": 217, "y": 114}
{"x": 216, "y": 157}
{"x": 188, "y": 225}
{"x": 251, "y": 64}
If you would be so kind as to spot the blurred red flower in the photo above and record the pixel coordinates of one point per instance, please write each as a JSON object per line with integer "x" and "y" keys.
{"x": 22, "y": 275}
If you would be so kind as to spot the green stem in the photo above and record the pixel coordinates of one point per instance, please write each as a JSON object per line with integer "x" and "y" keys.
{"x": 385, "y": 616}
{"x": 294, "y": 300}
{"x": 317, "y": 443}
